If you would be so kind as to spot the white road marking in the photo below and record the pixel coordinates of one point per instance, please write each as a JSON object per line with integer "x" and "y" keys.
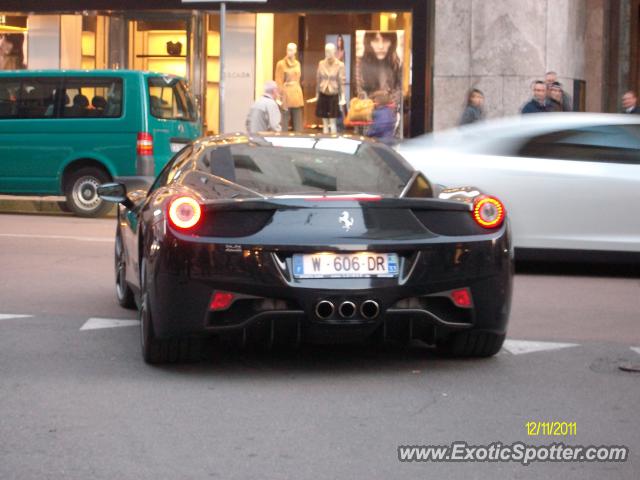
{"x": 95, "y": 323}
{"x": 58, "y": 237}
{"x": 636, "y": 349}
{"x": 518, "y": 347}
{"x": 7, "y": 316}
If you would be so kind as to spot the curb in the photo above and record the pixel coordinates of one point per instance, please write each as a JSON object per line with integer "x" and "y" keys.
{"x": 41, "y": 205}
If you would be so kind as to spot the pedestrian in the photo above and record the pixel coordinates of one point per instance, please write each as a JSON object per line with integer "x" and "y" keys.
{"x": 552, "y": 77}
{"x": 265, "y": 115}
{"x": 538, "y": 102}
{"x": 630, "y": 102}
{"x": 473, "y": 112}
{"x": 384, "y": 118}
{"x": 554, "y": 99}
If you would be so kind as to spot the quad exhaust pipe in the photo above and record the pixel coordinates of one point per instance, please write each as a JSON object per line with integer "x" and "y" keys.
{"x": 325, "y": 309}
{"x": 369, "y": 309}
{"x": 347, "y": 309}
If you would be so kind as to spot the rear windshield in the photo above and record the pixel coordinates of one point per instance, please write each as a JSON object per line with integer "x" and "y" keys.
{"x": 314, "y": 165}
{"x": 169, "y": 98}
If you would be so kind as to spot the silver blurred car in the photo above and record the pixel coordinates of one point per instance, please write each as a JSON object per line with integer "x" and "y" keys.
{"x": 570, "y": 181}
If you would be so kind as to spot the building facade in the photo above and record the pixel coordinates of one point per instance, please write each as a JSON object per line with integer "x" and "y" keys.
{"x": 502, "y": 46}
{"x": 444, "y": 47}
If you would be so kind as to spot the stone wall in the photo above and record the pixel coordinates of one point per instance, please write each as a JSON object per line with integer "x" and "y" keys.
{"x": 500, "y": 47}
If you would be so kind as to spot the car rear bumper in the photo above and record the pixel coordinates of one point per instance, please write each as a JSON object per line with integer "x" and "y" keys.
{"x": 417, "y": 304}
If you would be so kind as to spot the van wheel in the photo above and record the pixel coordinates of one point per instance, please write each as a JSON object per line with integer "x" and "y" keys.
{"x": 81, "y": 190}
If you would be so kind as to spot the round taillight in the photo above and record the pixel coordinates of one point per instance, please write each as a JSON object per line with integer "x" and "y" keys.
{"x": 184, "y": 212}
{"x": 488, "y": 212}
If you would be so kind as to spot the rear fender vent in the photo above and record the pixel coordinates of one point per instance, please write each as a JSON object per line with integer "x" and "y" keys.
{"x": 233, "y": 223}
{"x": 450, "y": 223}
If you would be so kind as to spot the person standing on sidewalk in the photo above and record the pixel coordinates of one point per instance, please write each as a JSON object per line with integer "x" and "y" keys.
{"x": 630, "y": 102}
{"x": 384, "y": 118}
{"x": 552, "y": 77}
{"x": 538, "y": 102}
{"x": 554, "y": 98}
{"x": 473, "y": 112}
{"x": 265, "y": 115}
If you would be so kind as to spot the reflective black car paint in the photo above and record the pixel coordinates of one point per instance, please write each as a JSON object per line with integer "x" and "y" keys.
{"x": 186, "y": 267}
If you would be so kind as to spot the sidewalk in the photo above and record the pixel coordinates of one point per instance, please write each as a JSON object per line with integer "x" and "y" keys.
{"x": 33, "y": 204}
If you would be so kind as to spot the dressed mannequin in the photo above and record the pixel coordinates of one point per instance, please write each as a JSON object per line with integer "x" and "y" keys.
{"x": 288, "y": 80}
{"x": 330, "y": 85}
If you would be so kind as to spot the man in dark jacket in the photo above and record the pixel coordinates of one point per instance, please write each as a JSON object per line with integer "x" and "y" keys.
{"x": 539, "y": 101}
{"x": 630, "y": 102}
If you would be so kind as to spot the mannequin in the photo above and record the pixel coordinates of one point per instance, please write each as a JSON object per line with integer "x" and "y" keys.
{"x": 288, "y": 80}
{"x": 330, "y": 85}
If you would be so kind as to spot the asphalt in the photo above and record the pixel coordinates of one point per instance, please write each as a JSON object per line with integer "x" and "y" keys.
{"x": 78, "y": 404}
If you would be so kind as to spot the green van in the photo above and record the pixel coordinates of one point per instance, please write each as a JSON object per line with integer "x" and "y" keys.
{"x": 66, "y": 132}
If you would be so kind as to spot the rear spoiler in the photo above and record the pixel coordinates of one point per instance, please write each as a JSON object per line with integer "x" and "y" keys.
{"x": 293, "y": 202}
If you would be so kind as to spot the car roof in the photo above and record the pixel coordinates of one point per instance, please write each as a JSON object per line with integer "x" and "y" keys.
{"x": 284, "y": 139}
{"x": 269, "y": 137}
{"x": 516, "y": 126}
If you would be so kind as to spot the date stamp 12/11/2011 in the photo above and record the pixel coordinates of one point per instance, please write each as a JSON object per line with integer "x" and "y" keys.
{"x": 553, "y": 428}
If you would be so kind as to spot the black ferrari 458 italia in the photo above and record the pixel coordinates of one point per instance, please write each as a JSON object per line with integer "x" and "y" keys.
{"x": 294, "y": 238}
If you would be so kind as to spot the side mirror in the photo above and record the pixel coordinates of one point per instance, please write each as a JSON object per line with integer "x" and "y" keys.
{"x": 114, "y": 192}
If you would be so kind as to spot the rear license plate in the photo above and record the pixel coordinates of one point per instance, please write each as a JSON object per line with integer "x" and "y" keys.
{"x": 345, "y": 265}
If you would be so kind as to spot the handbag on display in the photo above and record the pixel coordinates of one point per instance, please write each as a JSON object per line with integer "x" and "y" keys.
{"x": 174, "y": 48}
{"x": 360, "y": 110}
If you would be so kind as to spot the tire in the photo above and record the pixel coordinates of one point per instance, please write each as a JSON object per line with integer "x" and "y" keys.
{"x": 124, "y": 294}
{"x": 80, "y": 188}
{"x": 472, "y": 344}
{"x": 156, "y": 351}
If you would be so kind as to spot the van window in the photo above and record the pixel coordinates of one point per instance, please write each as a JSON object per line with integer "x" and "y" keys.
{"x": 9, "y": 89}
{"x": 92, "y": 97}
{"x": 170, "y": 99}
{"x": 28, "y": 97}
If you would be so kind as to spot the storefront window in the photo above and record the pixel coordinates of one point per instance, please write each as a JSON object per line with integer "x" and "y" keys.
{"x": 380, "y": 67}
{"x": 13, "y": 29}
{"x": 276, "y": 35}
{"x": 212, "y": 98}
{"x": 95, "y": 41}
{"x": 187, "y": 43}
{"x": 158, "y": 46}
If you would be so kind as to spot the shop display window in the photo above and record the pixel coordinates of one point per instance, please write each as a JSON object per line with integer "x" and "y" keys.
{"x": 349, "y": 32}
{"x": 159, "y": 46}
